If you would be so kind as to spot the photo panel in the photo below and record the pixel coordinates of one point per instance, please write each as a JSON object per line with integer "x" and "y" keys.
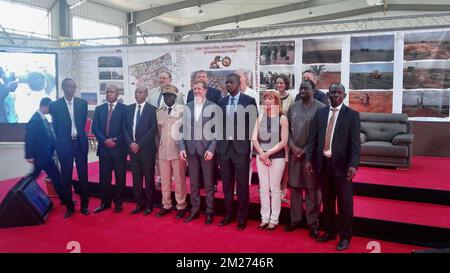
{"x": 371, "y": 101}
{"x": 427, "y": 45}
{"x": 322, "y": 51}
{"x": 372, "y": 76}
{"x": 277, "y": 52}
{"x": 378, "y": 48}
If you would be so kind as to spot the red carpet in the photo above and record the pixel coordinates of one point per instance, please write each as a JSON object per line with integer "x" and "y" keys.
{"x": 109, "y": 232}
{"x": 425, "y": 172}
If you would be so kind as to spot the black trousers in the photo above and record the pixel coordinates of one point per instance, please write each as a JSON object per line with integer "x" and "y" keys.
{"x": 143, "y": 168}
{"x": 234, "y": 168}
{"x": 81, "y": 162}
{"x": 53, "y": 173}
{"x": 108, "y": 164}
{"x": 333, "y": 187}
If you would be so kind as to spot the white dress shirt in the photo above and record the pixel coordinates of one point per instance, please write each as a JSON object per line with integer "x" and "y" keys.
{"x": 329, "y": 153}
{"x": 69, "y": 105}
{"x": 198, "y": 107}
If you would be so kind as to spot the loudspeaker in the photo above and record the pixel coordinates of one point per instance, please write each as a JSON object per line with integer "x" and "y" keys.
{"x": 26, "y": 204}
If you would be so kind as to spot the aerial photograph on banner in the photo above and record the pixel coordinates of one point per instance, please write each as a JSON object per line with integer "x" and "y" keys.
{"x": 147, "y": 73}
{"x": 427, "y": 45}
{"x": 111, "y": 74}
{"x": 431, "y": 74}
{"x": 426, "y": 103}
{"x": 277, "y": 52}
{"x": 326, "y": 74}
{"x": 371, "y": 101}
{"x": 371, "y": 76}
{"x": 372, "y": 49}
{"x": 322, "y": 51}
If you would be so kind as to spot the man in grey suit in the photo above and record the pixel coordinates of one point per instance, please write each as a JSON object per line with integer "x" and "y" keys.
{"x": 197, "y": 146}
{"x": 155, "y": 96}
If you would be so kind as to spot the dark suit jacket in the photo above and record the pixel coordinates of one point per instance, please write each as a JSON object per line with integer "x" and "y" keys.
{"x": 146, "y": 128}
{"x": 345, "y": 146}
{"x": 241, "y": 146}
{"x": 116, "y": 129}
{"x": 188, "y": 142}
{"x": 39, "y": 143}
{"x": 63, "y": 125}
{"x": 213, "y": 95}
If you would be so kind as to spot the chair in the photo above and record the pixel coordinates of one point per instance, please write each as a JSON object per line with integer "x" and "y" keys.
{"x": 386, "y": 140}
{"x": 91, "y": 137}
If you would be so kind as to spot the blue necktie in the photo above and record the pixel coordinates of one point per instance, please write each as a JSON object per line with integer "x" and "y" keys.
{"x": 138, "y": 115}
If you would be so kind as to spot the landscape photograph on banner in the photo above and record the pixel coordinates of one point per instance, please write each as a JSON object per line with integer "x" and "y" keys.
{"x": 277, "y": 52}
{"x": 372, "y": 76}
{"x": 90, "y": 97}
{"x": 426, "y": 103}
{"x": 427, "y": 45}
{"x": 429, "y": 74}
{"x": 147, "y": 73}
{"x": 371, "y": 101}
{"x": 378, "y": 48}
{"x": 326, "y": 74}
{"x": 217, "y": 78}
{"x": 110, "y": 74}
{"x": 317, "y": 51}
{"x": 110, "y": 61}
{"x": 104, "y": 85}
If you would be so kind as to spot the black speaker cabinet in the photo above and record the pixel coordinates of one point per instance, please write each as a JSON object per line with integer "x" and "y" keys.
{"x": 26, "y": 204}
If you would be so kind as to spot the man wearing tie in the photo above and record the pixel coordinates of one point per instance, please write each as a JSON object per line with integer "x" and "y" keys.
{"x": 140, "y": 130}
{"x": 156, "y": 98}
{"x": 333, "y": 153}
{"x": 108, "y": 125}
{"x": 240, "y": 114}
{"x": 40, "y": 141}
{"x": 69, "y": 115}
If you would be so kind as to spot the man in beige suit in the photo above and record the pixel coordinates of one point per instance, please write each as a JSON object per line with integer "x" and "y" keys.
{"x": 168, "y": 153}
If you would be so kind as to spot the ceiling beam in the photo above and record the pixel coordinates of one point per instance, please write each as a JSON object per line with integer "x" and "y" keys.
{"x": 361, "y": 11}
{"x": 325, "y": 17}
{"x": 255, "y": 14}
{"x": 146, "y": 15}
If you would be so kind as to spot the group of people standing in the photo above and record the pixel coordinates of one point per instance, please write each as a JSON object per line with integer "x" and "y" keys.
{"x": 312, "y": 147}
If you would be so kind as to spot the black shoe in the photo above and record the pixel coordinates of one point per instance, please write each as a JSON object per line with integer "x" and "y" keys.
{"x": 209, "y": 219}
{"x": 136, "y": 210}
{"x": 102, "y": 208}
{"x": 191, "y": 217}
{"x": 263, "y": 226}
{"x": 118, "y": 209}
{"x": 224, "y": 222}
{"x": 291, "y": 226}
{"x": 314, "y": 232}
{"x": 180, "y": 214}
{"x": 326, "y": 237}
{"x": 68, "y": 213}
{"x": 162, "y": 212}
{"x": 241, "y": 226}
{"x": 147, "y": 211}
{"x": 85, "y": 211}
{"x": 343, "y": 244}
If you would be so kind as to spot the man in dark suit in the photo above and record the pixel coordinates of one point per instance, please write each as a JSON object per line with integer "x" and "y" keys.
{"x": 318, "y": 95}
{"x": 333, "y": 152}
{"x": 198, "y": 146}
{"x": 140, "y": 130}
{"x": 108, "y": 126}
{"x": 240, "y": 113}
{"x": 69, "y": 115}
{"x": 212, "y": 94}
{"x": 40, "y": 141}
